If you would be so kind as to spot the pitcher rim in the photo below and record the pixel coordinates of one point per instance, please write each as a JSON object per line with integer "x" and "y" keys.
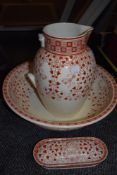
{"x": 70, "y": 37}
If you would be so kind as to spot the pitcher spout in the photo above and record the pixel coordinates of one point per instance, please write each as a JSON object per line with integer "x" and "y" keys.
{"x": 86, "y": 32}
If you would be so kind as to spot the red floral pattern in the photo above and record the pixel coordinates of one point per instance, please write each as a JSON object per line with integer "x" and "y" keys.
{"x": 78, "y": 81}
{"x": 66, "y": 152}
{"x": 14, "y": 99}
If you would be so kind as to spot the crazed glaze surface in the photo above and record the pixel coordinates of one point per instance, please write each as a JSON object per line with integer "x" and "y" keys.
{"x": 70, "y": 152}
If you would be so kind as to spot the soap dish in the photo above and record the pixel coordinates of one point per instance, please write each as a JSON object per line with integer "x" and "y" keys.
{"x": 78, "y": 152}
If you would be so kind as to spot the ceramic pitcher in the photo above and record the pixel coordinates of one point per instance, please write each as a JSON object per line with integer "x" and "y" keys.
{"x": 64, "y": 68}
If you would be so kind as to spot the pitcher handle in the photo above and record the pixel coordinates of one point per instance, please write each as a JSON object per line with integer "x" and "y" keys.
{"x": 31, "y": 77}
{"x": 41, "y": 39}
